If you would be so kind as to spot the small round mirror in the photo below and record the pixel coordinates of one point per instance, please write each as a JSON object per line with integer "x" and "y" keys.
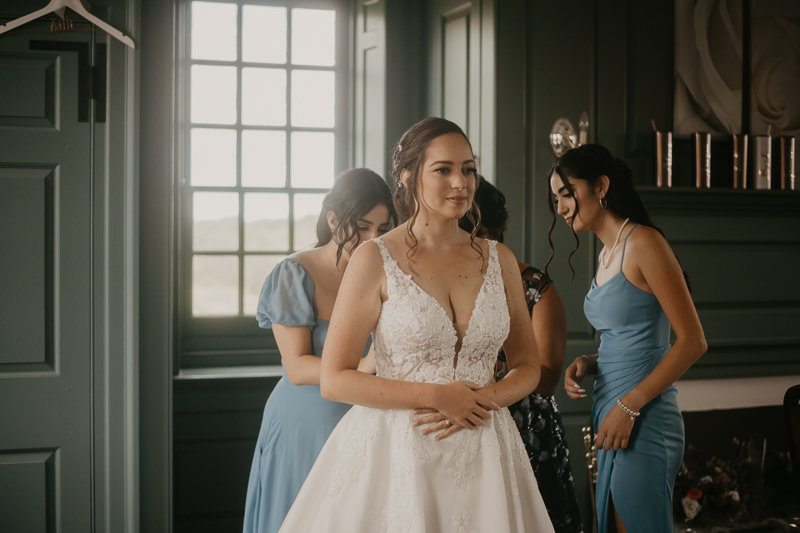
{"x": 562, "y": 136}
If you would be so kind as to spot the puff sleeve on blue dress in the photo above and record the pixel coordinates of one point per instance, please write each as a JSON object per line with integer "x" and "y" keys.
{"x": 297, "y": 420}
{"x": 287, "y": 297}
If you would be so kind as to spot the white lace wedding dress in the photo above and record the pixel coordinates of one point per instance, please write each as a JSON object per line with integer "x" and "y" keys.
{"x": 377, "y": 473}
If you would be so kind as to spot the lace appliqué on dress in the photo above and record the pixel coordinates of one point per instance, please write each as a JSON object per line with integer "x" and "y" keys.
{"x": 421, "y": 445}
{"x": 397, "y": 513}
{"x": 468, "y": 443}
{"x": 464, "y": 522}
{"x": 353, "y": 458}
{"x": 415, "y": 339}
{"x": 511, "y": 450}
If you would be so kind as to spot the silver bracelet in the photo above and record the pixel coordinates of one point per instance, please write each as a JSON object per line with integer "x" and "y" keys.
{"x": 631, "y": 413}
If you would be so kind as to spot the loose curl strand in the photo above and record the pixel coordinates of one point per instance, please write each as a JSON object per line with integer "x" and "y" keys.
{"x": 492, "y": 212}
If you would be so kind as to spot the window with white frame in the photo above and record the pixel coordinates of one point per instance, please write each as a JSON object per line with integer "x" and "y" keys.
{"x": 264, "y": 136}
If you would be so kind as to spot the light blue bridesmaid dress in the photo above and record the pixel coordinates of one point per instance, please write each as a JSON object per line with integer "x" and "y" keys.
{"x": 634, "y": 338}
{"x": 297, "y": 420}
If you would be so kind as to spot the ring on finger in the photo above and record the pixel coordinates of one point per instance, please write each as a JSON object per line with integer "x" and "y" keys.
{"x": 447, "y": 422}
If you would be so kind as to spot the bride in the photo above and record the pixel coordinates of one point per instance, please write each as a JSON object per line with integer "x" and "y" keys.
{"x": 439, "y": 303}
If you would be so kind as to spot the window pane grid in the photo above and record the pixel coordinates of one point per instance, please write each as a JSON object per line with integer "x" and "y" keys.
{"x": 250, "y": 81}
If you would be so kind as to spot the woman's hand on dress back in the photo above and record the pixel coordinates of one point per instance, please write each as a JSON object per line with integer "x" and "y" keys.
{"x": 615, "y": 430}
{"x": 574, "y": 375}
{"x": 459, "y": 402}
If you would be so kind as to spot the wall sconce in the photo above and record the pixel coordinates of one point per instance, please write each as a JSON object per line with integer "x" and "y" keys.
{"x": 563, "y": 137}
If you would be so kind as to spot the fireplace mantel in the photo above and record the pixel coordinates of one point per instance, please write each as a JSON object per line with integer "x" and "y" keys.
{"x": 733, "y": 393}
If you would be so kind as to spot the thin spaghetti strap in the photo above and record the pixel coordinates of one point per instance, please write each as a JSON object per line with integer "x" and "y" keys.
{"x": 624, "y": 244}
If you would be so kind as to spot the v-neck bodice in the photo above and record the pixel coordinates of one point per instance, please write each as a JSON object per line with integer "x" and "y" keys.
{"x": 415, "y": 339}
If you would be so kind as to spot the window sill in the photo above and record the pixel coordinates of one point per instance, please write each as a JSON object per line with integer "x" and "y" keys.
{"x": 231, "y": 372}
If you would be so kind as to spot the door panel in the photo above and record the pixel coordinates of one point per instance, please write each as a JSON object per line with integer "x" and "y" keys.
{"x": 25, "y": 237}
{"x": 45, "y": 289}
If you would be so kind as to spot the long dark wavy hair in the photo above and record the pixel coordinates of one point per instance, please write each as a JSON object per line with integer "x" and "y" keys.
{"x": 492, "y": 206}
{"x": 355, "y": 193}
{"x": 409, "y": 154}
{"x": 588, "y": 163}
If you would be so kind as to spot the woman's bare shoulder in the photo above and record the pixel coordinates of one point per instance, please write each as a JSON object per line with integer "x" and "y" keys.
{"x": 311, "y": 259}
{"x": 506, "y": 256}
{"x": 367, "y": 256}
{"x": 646, "y": 240}
{"x": 646, "y": 234}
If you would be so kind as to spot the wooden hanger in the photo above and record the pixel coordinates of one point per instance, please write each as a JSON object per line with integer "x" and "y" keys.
{"x": 78, "y": 6}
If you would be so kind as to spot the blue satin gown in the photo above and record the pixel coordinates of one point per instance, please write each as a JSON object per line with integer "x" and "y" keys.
{"x": 297, "y": 420}
{"x": 634, "y": 338}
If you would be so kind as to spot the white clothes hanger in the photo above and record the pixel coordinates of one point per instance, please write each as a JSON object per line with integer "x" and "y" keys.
{"x": 78, "y": 6}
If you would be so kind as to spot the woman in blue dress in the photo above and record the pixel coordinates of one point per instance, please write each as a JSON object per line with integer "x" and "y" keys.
{"x": 296, "y": 303}
{"x": 536, "y": 416}
{"x": 638, "y": 293}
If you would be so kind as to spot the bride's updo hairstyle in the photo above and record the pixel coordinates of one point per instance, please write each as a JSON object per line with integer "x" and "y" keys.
{"x": 409, "y": 154}
{"x": 354, "y": 194}
{"x": 588, "y": 163}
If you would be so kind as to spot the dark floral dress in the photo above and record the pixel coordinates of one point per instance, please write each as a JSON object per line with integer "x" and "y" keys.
{"x": 542, "y": 431}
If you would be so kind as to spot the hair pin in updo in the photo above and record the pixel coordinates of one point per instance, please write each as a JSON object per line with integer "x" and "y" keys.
{"x": 396, "y": 158}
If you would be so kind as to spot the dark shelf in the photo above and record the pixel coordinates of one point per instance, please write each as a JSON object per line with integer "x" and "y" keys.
{"x": 721, "y": 200}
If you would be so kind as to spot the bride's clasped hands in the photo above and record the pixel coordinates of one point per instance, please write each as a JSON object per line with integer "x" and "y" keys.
{"x": 462, "y": 406}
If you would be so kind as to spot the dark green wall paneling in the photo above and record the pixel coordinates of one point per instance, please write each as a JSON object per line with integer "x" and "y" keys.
{"x": 216, "y": 424}
{"x": 31, "y": 100}
{"x": 158, "y": 335}
{"x": 461, "y": 83}
{"x": 739, "y": 248}
{"x": 455, "y": 68}
{"x": 388, "y": 64}
{"x": 650, "y": 81}
{"x": 560, "y": 74}
{"x": 509, "y": 121}
{"x": 369, "y": 105}
{"x": 406, "y": 44}
{"x": 28, "y": 491}
{"x": 26, "y": 237}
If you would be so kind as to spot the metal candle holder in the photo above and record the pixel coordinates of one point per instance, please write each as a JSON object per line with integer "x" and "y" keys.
{"x": 739, "y": 161}
{"x": 702, "y": 160}
{"x": 663, "y": 159}
{"x": 786, "y": 160}
{"x": 762, "y": 162}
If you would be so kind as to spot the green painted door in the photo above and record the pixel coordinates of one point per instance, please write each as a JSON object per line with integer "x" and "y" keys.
{"x": 45, "y": 283}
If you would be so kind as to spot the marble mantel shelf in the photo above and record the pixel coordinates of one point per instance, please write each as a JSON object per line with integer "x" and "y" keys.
{"x": 733, "y": 393}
